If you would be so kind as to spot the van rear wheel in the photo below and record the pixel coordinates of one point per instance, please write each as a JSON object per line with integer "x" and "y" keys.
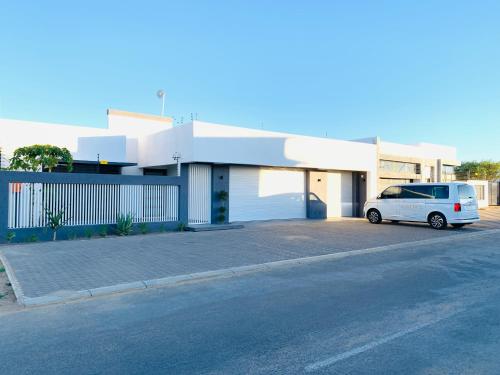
{"x": 437, "y": 221}
{"x": 374, "y": 216}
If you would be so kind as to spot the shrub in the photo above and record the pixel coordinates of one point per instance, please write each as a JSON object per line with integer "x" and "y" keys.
{"x": 221, "y": 218}
{"x": 89, "y": 233}
{"x": 144, "y": 228}
{"x": 103, "y": 231}
{"x": 124, "y": 224}
{"x": 32, "y": 238}
{"x": 10, "y": 236}
{"x": 181, "y": 227}
{"x": 72, "y": 236}
{"x": 222, "y": 195}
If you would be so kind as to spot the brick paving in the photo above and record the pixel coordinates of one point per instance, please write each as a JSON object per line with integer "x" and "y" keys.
{"x": 66, "y": 266}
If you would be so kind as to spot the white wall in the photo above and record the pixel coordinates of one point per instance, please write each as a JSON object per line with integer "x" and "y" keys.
{"x": 339, "y": 202}
{"x": 17, "y": 133}
{"x": 213, "y": 143}
{"x": 481, "y": 203}
{"x": 112, "y": 148}
{"x": 132, "y": 127}
{"x": 221, "y": 143}
{"x": 419, "y": 150}
{"x": 157, "y": 149}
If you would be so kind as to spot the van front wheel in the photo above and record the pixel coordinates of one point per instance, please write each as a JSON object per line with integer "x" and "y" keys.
{"x": 374, "y": 216}
{"x": 437, "y": 221}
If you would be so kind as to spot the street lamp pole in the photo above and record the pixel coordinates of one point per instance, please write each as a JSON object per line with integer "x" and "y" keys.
{"x": 177, "y": 158}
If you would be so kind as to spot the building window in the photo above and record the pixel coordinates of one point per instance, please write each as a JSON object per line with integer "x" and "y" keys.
{"x": 399, "y": 167}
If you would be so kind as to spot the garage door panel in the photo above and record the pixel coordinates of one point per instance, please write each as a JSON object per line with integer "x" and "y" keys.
{"x": 264, "y": 194}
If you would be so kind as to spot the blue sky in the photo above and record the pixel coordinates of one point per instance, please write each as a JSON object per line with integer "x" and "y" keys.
{"x": 406, "y": 71}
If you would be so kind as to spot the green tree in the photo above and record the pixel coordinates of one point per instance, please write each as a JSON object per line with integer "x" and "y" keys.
{"x": 478, "y": 170}
{"x": 39, "y": 157}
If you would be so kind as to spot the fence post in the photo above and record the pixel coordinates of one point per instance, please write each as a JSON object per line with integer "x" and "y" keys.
{"x": 184, "y": 194}
{"x": 4, "y": 206}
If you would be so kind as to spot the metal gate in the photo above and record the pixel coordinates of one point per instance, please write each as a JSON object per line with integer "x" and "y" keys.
{"x": 200, "y": 194}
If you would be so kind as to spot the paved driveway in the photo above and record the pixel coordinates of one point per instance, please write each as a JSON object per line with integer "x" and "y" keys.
{"x": 64, "y": 267}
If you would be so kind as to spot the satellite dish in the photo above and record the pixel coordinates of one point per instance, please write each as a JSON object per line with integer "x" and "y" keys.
{"x": 161, "y": 94}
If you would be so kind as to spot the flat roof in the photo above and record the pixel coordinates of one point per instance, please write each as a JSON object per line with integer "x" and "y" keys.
{"x": 143, "y": 116}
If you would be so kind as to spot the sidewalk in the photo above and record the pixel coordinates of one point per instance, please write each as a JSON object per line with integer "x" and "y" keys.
{"x": 58, "y": 271}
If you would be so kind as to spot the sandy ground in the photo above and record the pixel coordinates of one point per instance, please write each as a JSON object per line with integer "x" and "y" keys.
{"x": 7, "y": 297}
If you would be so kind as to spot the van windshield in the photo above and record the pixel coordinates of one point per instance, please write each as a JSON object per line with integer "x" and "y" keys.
{"x": 466, "y": 192}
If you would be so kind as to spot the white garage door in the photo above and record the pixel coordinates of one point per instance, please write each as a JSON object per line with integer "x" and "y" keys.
{"x": 263, "y": 194}
{"x": 339, "y": 194}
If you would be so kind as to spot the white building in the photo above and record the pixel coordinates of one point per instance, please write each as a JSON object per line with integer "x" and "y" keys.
{"x": 267, "y": 175}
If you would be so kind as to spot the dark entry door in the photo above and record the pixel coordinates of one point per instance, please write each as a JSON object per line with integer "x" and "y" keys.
{"x": 358, "y": 193}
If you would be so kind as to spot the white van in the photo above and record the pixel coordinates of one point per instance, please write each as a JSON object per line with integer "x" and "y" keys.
{"x": 438, "y": 204}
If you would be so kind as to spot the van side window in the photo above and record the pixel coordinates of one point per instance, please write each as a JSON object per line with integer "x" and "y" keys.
{"x": 441, "y": 192}
{"x": 392, "y": 192}
{"x": 416, "y": 192}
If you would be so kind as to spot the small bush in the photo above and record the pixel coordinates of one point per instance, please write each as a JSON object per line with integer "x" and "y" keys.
{"x": 124, "y": 224}
{"x": 103, "y": 231}
{"x": 144, "y": 228}
{"x": 181, "y": 227}
{"x": 72, "y": 236}
{"x": 221, "y": 218}
{"x": 89, "y": 233}
{"x": 2, "y": 269}
{"x": 222, "y": 195}
{"x": 32, "y": 238}
{"x": 10, "y": 236}
{"x": 222, "y": 210}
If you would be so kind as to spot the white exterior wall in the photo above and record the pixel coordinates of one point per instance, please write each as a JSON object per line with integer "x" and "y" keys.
{"x": 481, "y": 203}
{"x": 157, "y": 149}
{"x": 340, "y": 197}
{"x": 134, "y": 128}
{"x": 419, "y": 150}
{"x": 213, "y": 143}
{"x": 110, "y": 148}
{"x": 151, "y": 141}
{"x": 17, "y": 133}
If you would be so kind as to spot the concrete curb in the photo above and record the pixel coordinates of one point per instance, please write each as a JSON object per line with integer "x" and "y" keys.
{"x": 171, "y": 281}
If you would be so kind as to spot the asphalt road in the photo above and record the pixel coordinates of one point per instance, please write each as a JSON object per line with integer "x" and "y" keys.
{"x": 432, "y": 310}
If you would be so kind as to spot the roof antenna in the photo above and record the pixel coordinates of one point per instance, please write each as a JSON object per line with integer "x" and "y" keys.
{"x": 161, "y": 94}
